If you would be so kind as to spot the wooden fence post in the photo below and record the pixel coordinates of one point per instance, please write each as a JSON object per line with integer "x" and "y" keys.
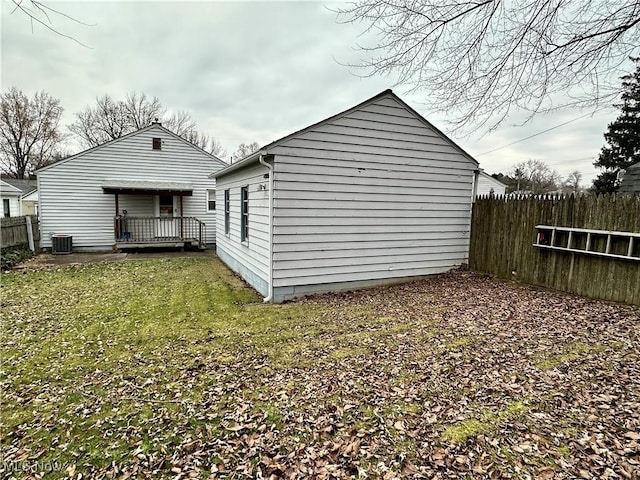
{"x": 32, "y": 245}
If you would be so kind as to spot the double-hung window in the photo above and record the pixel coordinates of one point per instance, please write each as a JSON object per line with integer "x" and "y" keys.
{"x": 227, "y": 211}
{"x": 211, "y": 200}
{"x": 244, "y": 214}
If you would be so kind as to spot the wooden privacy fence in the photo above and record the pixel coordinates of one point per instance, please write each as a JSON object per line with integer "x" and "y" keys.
{"x": 16, "y": 231}
{"x": 503, "y": 233}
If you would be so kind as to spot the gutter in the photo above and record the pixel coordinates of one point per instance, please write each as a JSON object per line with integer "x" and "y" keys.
{"x": 269, "y": 297}
{"x": 240, "y": 163}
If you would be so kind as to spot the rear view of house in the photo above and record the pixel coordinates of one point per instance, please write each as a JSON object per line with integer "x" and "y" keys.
{"x": 372, "y": 195}
{"x": 148, "y": 188}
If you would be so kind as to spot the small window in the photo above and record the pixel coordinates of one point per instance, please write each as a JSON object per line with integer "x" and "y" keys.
{"x": 244, "y": 214}
{"x": 6, "y": 206}
{"x": 227, "y": 211}
{"x": 211, "y": 200}
{"x": 165, "y": 205}
{"x": 157, "y": 143}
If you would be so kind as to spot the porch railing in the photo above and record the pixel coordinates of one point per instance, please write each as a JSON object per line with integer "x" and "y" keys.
{"x": 159, "y": 230}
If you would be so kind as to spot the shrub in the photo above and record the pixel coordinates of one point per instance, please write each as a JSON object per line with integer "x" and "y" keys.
{"x": 13, "y": 255}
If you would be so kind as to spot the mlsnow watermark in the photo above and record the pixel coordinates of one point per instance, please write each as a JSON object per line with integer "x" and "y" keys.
{"x": 26, "y": 466}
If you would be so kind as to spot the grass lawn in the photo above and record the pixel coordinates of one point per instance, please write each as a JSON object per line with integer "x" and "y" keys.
{"x": 172, "y": 368}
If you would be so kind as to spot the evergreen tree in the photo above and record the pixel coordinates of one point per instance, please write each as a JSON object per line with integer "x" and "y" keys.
{"x": 623, "y": 137}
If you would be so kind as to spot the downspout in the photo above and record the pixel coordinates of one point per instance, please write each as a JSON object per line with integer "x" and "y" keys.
{"x": 474, "y": 194}
{"x": 269, "y": 297}
{"x": 476, "y": 176}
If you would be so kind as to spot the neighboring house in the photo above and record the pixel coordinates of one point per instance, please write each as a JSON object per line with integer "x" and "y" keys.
{"x": 372, "y": 195}
{"x": 10, "y": 196}
{"x": 488, "y": 185}
{"x": 148, "y": 188}
{"x": 30, "y": 202}
{"x": 29, "y": 196}
{"x": 631, "y": 180}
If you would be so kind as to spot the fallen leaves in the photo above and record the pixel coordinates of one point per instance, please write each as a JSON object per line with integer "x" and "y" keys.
{"x": 455, "y": 376}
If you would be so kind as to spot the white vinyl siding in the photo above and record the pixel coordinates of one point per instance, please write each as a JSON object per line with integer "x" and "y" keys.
{"x": 372, "y": 195}
{"x": 11, "y": 206}
{"x": 486, "y": 183}
{"x": 72, "y": 200}
{"x": 249, "y": 258}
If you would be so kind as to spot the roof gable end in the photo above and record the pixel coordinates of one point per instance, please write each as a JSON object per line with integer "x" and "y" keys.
{"x": 153, "y": 126}
{"x": 493, "y": 180}
{"x": 370, "y": 103}
{"x": 6, "y": 188}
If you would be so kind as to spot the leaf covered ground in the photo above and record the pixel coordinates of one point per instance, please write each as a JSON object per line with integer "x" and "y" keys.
{"x": 174, "y": 369}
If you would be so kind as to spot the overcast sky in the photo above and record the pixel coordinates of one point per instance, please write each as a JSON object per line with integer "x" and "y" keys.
{"x": 245, "y": 71}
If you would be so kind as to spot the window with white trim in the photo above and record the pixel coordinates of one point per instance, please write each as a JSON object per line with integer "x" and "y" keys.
{"x": 227, "y": 211}
{"x": 244, "y": 214}
{"x": 211, "y": 200}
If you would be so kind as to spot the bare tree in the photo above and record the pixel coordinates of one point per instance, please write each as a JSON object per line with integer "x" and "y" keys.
{"x": 243, "y": 150}
{"x": 111, "y": 119}
{"x": 477, "y": 60}
{"x": 207, "y": 143}
{"x": 572, "y": 182}
{"x": 535, "y": 176}
{"x": 140, "y": 111}
{"x": 181, "y": 124}
{"x": 42, "y": 13}
{"x": 106, "y": 121}
{"x": 29, "y": 134}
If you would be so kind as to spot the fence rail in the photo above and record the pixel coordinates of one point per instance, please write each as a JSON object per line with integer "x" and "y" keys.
{"x": 15, "y": 232}
{"x": 503, "y": 234}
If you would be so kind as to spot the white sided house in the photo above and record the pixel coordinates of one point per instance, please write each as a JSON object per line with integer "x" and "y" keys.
{"x": 10, "y": 195}
{"x": 372, "y": 195}
{"x": 150, "y": 188}
{"x": 487, "y": 185}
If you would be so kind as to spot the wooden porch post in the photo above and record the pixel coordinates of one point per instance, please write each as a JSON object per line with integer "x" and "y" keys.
{"x": 181, "y": 218}
{"x": 117, "y": 227}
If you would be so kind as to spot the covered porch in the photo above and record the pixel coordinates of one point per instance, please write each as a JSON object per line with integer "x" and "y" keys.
{"x": 167, "y": 226}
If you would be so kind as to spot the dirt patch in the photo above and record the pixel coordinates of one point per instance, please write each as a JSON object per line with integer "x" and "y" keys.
{"x": 47, "y": 260}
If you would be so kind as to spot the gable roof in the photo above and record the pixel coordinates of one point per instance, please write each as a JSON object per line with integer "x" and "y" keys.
{"x": 264, "y": 150}
{"x": 7, "y": 189}
{"x": 631, "y": 180}
{"x": 31, "y": 196}
{"x": 491, "y": 179}
{"x": 24, "y": 185}
{"x": 128, "y": 135}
